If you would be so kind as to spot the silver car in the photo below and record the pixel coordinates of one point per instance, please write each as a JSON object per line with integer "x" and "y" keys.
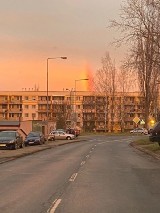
{"x": 61, "y": 135}
{"x": 140, "y": 131}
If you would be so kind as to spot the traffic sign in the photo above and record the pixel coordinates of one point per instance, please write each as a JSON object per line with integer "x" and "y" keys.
{"x": 136, "y": 120}
{"x": 142, "y": 122}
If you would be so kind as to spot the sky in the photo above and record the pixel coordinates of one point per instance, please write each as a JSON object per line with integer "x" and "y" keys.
{"x": 33, "y": 30}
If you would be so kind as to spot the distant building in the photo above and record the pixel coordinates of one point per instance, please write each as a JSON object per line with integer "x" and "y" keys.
{"x": 87, "y": 111}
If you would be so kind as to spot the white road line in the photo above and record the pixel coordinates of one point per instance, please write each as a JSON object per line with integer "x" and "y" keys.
{"x": 54, "y": 206}
{"x": 82, "y": 163}
{"x": 101, "y": 142}
{"x": 73, "y": 177}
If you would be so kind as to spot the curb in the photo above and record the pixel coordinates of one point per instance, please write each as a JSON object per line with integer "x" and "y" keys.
{"x": 145, "y": 151}
{"x": 30, "y": 152}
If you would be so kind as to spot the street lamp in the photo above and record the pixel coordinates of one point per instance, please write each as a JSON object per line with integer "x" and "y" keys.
{"x": 70, "y": 106}
{"x": 61, "y": 57}
{"x": 70, "y": 96}
{"x": 83, "y": 79}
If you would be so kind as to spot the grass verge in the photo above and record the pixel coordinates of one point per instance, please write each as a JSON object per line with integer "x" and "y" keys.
{"x": 146, "y": 144}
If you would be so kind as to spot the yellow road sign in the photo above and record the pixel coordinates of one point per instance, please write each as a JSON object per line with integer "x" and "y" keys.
{"x": 142, "y": 122}
{"x": 136, "y": 120}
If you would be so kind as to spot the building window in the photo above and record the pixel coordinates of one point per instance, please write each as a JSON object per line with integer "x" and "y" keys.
{"x": 33, "y": 106}
{"x": 4, "y": 106}
{"x": 78, "y": 98}
{"x": 26, "y": 98}
{"x": 26, "y": 106}
{"x": 33, "y": 115}
{"x": 11, "y": 115}
{"x": 26, "y": 115}
{"x": 33, "y": 97}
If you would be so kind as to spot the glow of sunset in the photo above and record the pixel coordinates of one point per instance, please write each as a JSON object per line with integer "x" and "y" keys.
{"x": 61, "y": 75}
{"x": 32, "y": 31}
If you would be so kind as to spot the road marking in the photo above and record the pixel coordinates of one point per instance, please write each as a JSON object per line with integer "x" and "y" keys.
{"x": 73, "y": 177}
{"x": 82, "y": 163}
{"x": 101, "y": 142}
{"x": 54, "y": 206}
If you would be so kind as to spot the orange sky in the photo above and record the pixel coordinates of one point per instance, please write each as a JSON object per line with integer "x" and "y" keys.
{"x": 20, "y": 74}
{"x": 32, "y": 31}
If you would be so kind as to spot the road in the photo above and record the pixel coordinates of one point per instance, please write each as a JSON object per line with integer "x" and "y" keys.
{"x": 100, "y": 175}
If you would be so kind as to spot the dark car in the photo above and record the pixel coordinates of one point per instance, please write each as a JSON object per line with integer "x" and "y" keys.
{"x": 34, "y": 138}
{"x": 11, "y": 140}
{"x": 73, "y": 131}
{"x": 155, "y": 133}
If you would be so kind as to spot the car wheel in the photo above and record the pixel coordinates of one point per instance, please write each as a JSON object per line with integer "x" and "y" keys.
{"x": 68, "y": 138}
{"x": 52, "y": 139}
{"x": 15, "y": 146}
{"x": 22, "y": 145}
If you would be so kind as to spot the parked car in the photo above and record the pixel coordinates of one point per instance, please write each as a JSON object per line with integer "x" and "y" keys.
{"x": 139, "y": 131}
{"x": 75, "y": 132}
{"x": 61, "y": 135}
{"x": 34, "y": 138}
{"x": 51, "y": 136}
{"x": 11, "y": 140}
{"x": 155, "y": 133}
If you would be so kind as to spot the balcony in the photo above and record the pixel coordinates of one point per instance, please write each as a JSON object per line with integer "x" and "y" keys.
{"x": 3, "y": 101}
{"x": 88, "y": 110}
{"x": 42, "y": 110}
{"x": 100, "y": 119}
{"x": 15, "y": 110}
{"x": 3, "y": 110}
{"x": 13, "y": 101}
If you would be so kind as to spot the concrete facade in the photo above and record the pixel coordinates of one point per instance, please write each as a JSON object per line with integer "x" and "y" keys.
{"x": 87, "y": 111}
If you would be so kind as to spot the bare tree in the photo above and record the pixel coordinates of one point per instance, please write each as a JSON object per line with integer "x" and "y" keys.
{"x": 125, "y": 85}
{"x": 140, "y": 27}
{"x": 104, "y": 83}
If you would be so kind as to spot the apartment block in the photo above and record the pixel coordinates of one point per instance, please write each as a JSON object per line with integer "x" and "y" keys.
{"x": 85, "y": 110}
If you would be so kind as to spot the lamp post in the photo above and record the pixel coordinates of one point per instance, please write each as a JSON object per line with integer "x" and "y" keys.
{"x": 83, "y": 79}
{"x": 61, "y": 57}
{"x": 70, "y": 103}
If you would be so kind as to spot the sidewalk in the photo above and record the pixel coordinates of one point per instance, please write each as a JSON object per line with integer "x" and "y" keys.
{"x": 8, "y": 155}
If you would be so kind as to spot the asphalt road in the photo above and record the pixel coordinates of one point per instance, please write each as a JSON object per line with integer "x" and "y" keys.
{"x": 101, "y": 175}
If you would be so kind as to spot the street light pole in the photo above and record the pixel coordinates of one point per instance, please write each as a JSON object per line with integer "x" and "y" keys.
{"x": 75, "y": 112}
{"x": 70, "y": 103}
{"x": 61, "y": 57}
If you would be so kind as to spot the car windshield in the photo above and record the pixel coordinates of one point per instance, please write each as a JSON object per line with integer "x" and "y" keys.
{"x": 7, "y": 134}
{"x": 33, "y": 134}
